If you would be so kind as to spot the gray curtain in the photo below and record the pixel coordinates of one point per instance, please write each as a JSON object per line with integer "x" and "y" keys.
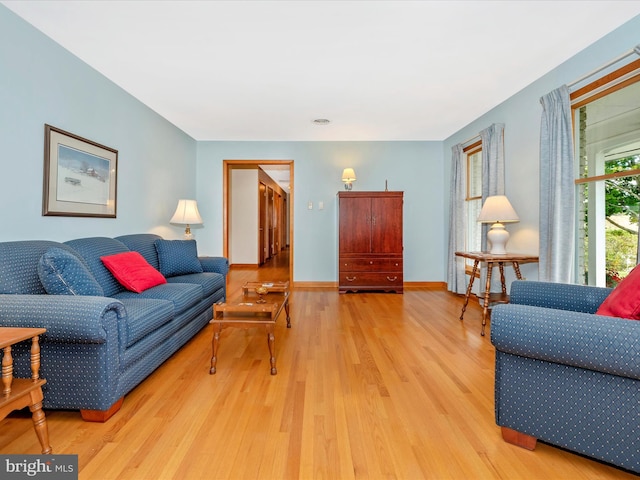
{"x": 492, "y": 184}
{"x": 557, "y": 189}
{"x": 492, "y": 167}
{"x": 456, "y": 281}
{"x": 492, "y": 181}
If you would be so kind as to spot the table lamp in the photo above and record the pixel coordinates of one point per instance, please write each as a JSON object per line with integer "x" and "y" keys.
{"x": 187, "y": 214}
{"x": 497, "y": 210}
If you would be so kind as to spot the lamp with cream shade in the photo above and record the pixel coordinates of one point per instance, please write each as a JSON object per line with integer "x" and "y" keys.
{"x": 348, "y": 177}
{"x": 187, "y": 214}
{"x": 497, "y": 210}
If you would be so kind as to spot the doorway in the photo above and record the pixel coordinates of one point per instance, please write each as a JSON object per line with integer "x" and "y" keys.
{"x": 228, "y": 167}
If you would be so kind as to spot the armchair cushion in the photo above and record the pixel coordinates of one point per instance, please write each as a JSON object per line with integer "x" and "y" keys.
{"x": 624, "y": 300}
{"x": 133, "y": 271}
{"x": 178, "y": 257}
{"x": 62, "y": 273}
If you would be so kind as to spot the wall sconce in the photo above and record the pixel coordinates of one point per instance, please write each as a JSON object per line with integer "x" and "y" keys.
{"x": 187, "y": 214}
{"x": 348, "y": 177}
{"x": 498, "y": 210}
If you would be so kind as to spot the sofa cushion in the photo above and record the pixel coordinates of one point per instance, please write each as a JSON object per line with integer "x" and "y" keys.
{"x": 178, "y": 257}
{"x": 182, "y": 295}
{"x": 624, "y": 300}
{"x": 133, "y": 271}
{"x": 62, "y": 273}
{"x": 143, "y": 243}
{"x": 90, "y": 250}
{"x": 144, "y": 316}
{"x": 19, "y": 262}
{"x": 211, "y": 282}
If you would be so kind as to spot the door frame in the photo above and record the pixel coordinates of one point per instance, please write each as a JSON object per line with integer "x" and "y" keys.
{"x": 227, "y": 166}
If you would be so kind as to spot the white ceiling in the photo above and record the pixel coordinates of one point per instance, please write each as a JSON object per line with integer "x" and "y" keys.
{"x": 379, "y": 70}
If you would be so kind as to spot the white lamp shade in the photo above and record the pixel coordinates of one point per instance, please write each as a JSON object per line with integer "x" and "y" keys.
{"x": 186, "y": 213}
{"x": 497, "y": 208}
{"x": 348, "y": 175}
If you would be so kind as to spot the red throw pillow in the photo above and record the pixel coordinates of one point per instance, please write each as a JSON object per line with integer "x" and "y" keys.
{"x": 133, "y": 271}
{"x": 624, "y": 300}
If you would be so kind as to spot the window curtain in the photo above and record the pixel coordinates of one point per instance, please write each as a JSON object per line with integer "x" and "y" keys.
{"x": 557, "y": 190}
{"x": 492, "y": 184}
{"x": 492, "y": 165}
{"x": 492, "y": 177}
{"x": 456, "y": 279}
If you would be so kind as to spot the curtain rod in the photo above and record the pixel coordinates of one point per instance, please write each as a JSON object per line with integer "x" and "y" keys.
{"x": 636, "y": 50}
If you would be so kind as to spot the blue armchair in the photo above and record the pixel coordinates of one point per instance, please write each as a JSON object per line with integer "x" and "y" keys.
{"x": 566, "y": 376}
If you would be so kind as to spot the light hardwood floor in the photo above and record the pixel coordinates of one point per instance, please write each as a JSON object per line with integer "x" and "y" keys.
{"x": 369, "y": 386}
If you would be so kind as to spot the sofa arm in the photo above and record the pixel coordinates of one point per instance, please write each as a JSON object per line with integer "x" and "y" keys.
{"x": 67, "y": 318}
{"x": 562, "y": 296}
{"x": 594, "y": 342}
{"x": 215, "y": 264}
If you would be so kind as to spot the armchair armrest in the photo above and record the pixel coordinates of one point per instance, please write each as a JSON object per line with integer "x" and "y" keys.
{"x": 594, "y": 342}
{"x": 561, "y": 296}
{"x": 67, "y": 318}
{"x": 215, "y": 264}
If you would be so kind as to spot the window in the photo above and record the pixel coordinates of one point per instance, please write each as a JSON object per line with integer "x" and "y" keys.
{"x": 473, "y": 199}
{"x": 607, "y": 132}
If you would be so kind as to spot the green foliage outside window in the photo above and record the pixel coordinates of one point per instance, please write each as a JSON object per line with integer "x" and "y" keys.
{"x": 621, "y": 209}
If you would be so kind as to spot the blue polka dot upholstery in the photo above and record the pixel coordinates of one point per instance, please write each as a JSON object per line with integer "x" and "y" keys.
{"x": 143, "y": 243}
{"x": 19, "y": 265}
{"x": 212, "y": 280}
{"x": 183, "y": 296}
{"x": 62, "y": 273}
{"x": 99, "y": 346}
{"x": 90, "y": 250}
{"x": 178, "y": 257}
{"x": 565, "y": 375}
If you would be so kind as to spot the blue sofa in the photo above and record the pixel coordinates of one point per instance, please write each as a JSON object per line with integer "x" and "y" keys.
{"x": 566, "y": 376}
{"x": 102, "y": 340}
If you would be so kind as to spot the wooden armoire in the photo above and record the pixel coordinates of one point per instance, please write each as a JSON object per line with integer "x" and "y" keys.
{"x": 370, "y": 245}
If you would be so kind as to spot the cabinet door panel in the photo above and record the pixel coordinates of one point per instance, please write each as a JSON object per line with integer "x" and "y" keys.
{"x": 386, "y": 229}
{"x": 355, "y": 225}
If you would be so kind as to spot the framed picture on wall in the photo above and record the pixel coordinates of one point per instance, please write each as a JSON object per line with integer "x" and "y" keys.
{"x": 80, "y": 176}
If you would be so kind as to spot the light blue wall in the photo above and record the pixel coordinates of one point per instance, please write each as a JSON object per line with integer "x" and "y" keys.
{"x": 413, "y": 167}
{"x": 521, "y": 115}
{"x": 40, "y": 82}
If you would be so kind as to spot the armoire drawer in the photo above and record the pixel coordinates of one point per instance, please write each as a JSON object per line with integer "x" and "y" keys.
{"x": 370, "y": 281}
{"x": 371, "y": 264}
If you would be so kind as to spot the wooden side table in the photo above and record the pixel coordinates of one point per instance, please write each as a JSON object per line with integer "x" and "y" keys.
{"x": 249, "y": 310}
{"x": 18, "y": 393}
{"x": 493, "y": 260}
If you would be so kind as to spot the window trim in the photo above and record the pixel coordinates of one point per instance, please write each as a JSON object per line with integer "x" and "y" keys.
{"x": 468, "y": 151}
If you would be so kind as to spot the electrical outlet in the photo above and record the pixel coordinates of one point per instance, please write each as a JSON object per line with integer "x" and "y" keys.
{"x": 310, "y": 206}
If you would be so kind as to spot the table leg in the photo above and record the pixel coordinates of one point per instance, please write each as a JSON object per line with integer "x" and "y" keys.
{"x": 502, "y": 282}
{"x": 217, "y": 328}
{"x": 466, "y": 297}
{"x": 516, "y": 268}
{"x": 271, "y": 342}
{"x": 39, "y": 420}
{"x": 286, "y": 310}
{"x": 7, "y": 370}
{"x": 487, "y": 290}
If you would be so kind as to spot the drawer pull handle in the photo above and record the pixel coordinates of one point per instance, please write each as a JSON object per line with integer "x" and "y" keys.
{"x": 371, "y": 262}
{"x": 392, "y": 279}
{"x": 351, "y": 279}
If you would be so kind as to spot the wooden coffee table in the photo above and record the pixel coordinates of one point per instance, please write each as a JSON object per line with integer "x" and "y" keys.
{"x": 249, "y": 310}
